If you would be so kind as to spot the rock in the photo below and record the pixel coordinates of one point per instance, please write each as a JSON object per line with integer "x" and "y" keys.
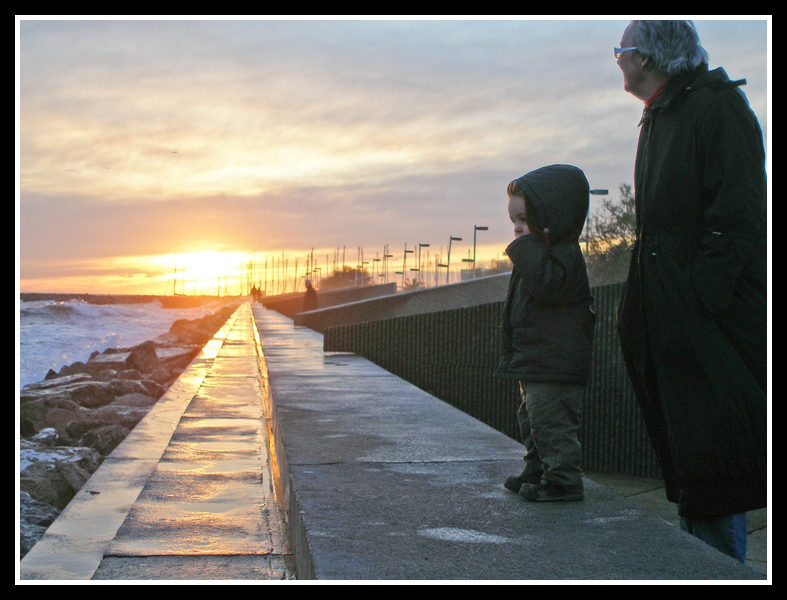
{"x": 52, "y": 475}
{"x": 161, "y": 375}
{"x": 77, "y": 428}
{"x": 84, "y": 393}
{"x": 133, "y": 399}
{"x": 115, "y": 361}
{"x": 57, "y": 381}
{"x": 154, "y": 389}
{"x": 121, "y": 414}
{"x": 143, "y": 358}
{"x": 129, "y": 374}
{"x": 34, "y": 519}
{"x": 51, "y": 411}
{"x": 167, "y": 339}
{"x": 92, "y": 394}
{"x": 75, "y": 367}
{"x": 104, "y": 439}
{"x": 106, "y": 375}
{"x": 50, "y": 374}
{"x": 121, "y": 387}
{"x": 47, "y": 437}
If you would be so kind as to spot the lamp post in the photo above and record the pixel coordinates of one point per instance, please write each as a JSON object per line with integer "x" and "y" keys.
{"x": 419, "y": 263}
{"x": 587, "y": 224}
{"x": 404, "y": 266}
{"x": 386, "y": 256}
{"x": 448, "y": 265}
{"x": 476, "y": 228}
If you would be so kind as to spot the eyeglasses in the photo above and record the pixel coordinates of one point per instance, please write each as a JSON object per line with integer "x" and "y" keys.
{"x": 619, "y": 51}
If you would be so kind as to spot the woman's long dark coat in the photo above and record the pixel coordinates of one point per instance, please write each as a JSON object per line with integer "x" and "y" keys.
{"x": 692, "y": 321}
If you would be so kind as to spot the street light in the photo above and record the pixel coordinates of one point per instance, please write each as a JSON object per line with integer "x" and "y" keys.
{"x": 386, "y": 256}
{"x": 587, "y": 223}
{"x": 475, "y": 229}
{"x": 419, "y": 263}
{"x": 404, "y": 266}
{"x": 448, "y": 266}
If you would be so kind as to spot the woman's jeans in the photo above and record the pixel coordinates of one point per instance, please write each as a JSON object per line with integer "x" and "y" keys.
{"x": 727, "y": 533}
{"x": 549, "y": 423}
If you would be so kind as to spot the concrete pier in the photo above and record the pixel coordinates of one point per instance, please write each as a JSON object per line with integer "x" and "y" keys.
{"x": 383, "y": 481}
{"x": 378, "y": 481}
{"x": 190, "y": 493}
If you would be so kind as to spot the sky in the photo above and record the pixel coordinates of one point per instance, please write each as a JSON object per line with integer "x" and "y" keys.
{"x": 148, "y": 145}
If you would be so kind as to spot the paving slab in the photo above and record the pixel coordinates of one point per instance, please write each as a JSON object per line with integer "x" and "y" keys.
{"x": 198, "y": 568}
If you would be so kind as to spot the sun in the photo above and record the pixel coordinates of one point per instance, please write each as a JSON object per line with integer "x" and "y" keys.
{"x": 207, "y": 272}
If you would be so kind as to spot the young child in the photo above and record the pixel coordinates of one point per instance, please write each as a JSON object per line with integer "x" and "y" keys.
{"x": 548, "y": 328}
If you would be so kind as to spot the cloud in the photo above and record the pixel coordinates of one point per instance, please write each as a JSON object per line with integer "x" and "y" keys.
{"x": 144, "y": 137}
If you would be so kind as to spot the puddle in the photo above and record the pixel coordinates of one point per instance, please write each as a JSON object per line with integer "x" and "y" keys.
{"x": 451, "y": 534}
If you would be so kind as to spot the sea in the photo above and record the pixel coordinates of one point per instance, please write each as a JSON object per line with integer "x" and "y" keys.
{"x": 57, "y": 333}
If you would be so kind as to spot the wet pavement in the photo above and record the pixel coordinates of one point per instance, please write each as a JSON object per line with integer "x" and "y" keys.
{"x": 649, "y": 495}
{"x": 383, "y": 481}
{"x": 190, "y": 493}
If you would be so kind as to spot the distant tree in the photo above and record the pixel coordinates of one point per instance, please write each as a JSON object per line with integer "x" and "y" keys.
{"x": 346, "y": 277}
{"x": 610, "y": 238}
{"x": 500, "y": 266}
{"x": 410, "y": 285}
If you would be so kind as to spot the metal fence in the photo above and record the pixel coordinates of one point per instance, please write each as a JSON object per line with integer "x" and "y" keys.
{"x": 453, "y": 354}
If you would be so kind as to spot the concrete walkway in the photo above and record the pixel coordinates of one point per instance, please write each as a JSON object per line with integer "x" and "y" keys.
{"x": 379, "y": 481}
{"x": 649, "y": 495}
{"x": 384, "y": 481}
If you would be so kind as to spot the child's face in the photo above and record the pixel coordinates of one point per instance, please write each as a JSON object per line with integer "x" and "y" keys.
{"x": 516, "y": 211}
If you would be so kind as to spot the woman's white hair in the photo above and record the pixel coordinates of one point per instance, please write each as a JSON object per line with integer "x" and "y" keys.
{"x": 674, "y": 46}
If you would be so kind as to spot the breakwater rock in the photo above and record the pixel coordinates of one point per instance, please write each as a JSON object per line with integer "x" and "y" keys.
{"x": 73, "y": 419}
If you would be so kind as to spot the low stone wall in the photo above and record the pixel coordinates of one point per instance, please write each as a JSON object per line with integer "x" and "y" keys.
{"x": 445, "y": 297}
{"x": 291, "y": 304}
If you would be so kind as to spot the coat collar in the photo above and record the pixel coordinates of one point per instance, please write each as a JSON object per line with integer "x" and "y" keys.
{"x": 681, "y": 85}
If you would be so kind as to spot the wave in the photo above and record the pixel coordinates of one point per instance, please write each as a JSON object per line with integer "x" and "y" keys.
{"x": 81, "y": 310}
{"x": 54, "y": 333}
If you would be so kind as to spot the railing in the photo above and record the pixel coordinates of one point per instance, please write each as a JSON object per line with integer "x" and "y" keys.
{"x": 453, "y": 354}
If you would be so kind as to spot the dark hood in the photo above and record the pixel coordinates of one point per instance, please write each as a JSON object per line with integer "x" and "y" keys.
{"x": 559, "y": 197}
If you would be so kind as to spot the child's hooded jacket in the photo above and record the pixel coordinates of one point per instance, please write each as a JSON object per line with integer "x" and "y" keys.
{"x": 547, "y": 330}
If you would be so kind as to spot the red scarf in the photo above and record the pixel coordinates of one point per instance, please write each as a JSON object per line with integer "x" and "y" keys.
{"x": 649, "y": 102}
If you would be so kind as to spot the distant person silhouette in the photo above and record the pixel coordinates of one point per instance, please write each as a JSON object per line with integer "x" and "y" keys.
{"x": 310, "y": 298}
